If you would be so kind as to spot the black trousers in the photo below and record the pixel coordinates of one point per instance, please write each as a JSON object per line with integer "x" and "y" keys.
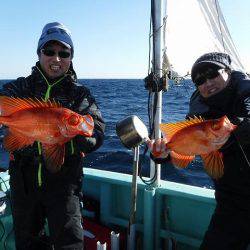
{"x": 59, "y": 205}
{"x": 229, "y": 229}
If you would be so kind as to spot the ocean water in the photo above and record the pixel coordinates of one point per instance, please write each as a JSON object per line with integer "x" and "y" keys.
{"x": 120, "y": 98}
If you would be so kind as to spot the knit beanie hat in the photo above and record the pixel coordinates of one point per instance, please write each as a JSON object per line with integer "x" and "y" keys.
{"x": 55, "y": 32}
{"x": 215, "y": 59}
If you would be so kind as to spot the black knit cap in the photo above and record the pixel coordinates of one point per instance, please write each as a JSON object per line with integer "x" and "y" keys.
{"x": 215, "y": 59}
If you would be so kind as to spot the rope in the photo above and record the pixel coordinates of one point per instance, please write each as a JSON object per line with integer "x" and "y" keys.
{"x": 219, "y": 21}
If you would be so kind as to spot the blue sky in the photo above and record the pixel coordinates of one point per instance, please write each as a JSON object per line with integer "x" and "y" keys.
{"x": 110, "y": 36}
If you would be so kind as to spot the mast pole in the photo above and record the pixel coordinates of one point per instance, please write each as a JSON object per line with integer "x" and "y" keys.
{"x": 157, "y": 22}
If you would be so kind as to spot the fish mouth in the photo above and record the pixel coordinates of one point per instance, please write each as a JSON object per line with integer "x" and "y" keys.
{"x": 84, "y": 129}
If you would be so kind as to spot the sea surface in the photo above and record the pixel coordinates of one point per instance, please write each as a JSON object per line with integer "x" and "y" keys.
{"x": 120, "y": 98}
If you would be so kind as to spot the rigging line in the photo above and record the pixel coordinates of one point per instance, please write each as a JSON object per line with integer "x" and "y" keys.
{"x": 153, "y": 25}
{"x": 140, "y": 167}
{"x": 152, "y": 118}
{"x": 150, "y": 181}
{"x": 149, "y": 115}
{"x": 149, "y": 62}
{"x": 219, "y": 21}
{"x": 149, "y": 44}
{"x": 163, "y": 24}
{"x": 151, "y": 131}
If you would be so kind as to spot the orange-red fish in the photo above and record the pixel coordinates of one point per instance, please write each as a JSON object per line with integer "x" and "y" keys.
{"x": 198, "y": 137}
{"x": 29, "y": 120}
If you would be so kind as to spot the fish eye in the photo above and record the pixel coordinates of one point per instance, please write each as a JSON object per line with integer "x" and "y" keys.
{"x": 73, "y": 120}
{"x": 215, "y": 126}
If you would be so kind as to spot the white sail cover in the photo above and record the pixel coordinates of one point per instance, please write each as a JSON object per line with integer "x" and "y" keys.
{"x": 195, "y": 27}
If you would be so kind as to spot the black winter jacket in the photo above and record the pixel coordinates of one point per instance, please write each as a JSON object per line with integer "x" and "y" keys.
{"x": 233, "y": 188}
{"x": 73, "y": 96}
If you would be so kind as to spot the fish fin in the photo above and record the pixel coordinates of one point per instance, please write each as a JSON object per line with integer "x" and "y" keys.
{"x": 169, "y": 129}
{"x": 54, "y": 157}
{"x": 15, "y": 141}
{"x": 10, "y": 105}
{"x": 213, "y": 164}
{"x": 181, "y": 160}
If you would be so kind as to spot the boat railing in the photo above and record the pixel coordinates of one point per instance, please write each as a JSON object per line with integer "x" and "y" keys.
{"x": 173, "y": 213}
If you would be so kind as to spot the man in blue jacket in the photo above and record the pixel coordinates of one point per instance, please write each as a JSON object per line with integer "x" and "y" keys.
{"x": 222, "y": 91}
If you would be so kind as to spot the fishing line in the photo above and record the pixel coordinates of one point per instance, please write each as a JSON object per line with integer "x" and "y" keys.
{"x": 152, "y": 118}
{"x": 242, "y": 150}
{"x": 149, "y": 44}
{"x": 141, "y": 163}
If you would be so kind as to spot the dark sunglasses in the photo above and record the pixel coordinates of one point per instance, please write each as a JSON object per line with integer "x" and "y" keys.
{"x": 202, "y": 77}
{"x": 51, "y": 52}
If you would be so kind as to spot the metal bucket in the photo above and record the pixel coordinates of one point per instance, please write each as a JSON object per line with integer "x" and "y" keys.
{"x": 131, "y": 131}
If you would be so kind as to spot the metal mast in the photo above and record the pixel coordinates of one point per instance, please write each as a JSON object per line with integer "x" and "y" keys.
{"x": 157, "y": 21}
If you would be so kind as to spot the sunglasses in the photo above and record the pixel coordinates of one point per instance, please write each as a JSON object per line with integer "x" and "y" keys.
{"x": 51, "y": 52}
{"x": 202, "y": 77}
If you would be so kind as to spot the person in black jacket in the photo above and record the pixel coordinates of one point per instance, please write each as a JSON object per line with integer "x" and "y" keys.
{"x": 36, "y": 193}
{"x": 222, "y": 91}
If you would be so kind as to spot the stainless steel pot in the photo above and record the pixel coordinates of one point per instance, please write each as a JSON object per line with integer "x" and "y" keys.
{"x": 131, "y": 131}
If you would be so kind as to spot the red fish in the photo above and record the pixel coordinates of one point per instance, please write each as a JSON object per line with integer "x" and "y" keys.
{"x": 198, "y": 137}
{"x": 29, "y": 120}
